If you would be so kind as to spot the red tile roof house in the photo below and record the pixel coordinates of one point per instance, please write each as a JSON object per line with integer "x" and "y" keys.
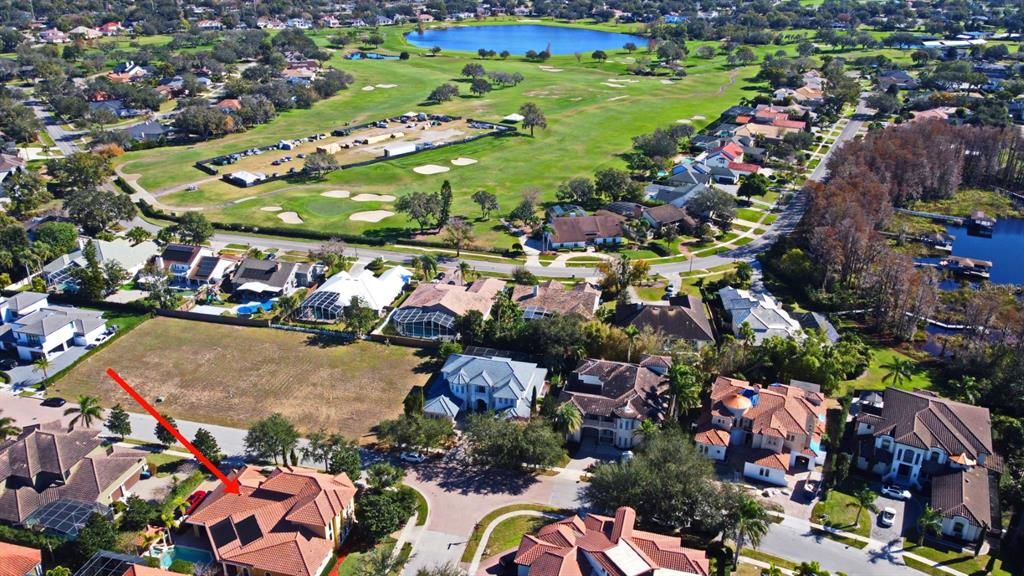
{"x": 919, "y": 438}
{"x": 601, "y": 545}
{"x": 779, "y": 425}
{"x": 20, "y": 560}
{"x": 582, "y": 231}
{"x": 286, "y": 524}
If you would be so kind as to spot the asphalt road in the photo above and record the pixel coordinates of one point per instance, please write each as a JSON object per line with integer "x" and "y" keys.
{"x": 64, "y": 139}
{"x": 860, "y": 116}
{"x": 793, "y": 539}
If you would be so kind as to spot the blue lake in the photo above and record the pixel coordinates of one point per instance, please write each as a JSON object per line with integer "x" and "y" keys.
{"x": 1005, "y": 249}
{"x": 519, "y": 38}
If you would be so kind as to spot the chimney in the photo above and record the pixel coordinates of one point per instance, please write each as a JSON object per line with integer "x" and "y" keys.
{"x": 536, "y": 290}
{"x": 625, "y": 518}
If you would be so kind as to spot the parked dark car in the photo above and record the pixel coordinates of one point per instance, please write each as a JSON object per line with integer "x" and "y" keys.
{"x": 8, "y": 363}
{"x": 54, "y": 402}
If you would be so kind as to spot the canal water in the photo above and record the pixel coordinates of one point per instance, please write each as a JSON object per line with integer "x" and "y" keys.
{"x": 1005, "y": 249}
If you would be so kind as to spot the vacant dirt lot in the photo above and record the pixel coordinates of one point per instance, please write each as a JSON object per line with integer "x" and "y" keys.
{"x": 232, "y": 376}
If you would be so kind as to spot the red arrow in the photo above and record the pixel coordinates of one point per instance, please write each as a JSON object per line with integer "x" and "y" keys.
{"x": 230, "y": 485}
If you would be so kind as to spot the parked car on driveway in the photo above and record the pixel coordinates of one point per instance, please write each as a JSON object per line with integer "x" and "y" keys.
{"x": 887, "y": 517}
{"x": 8, "y": 363}
{"x": 895, "y": 492}
{"x": 412, "y": 457}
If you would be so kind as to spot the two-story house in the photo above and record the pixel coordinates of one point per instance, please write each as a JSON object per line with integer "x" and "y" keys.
{"x": 494, "y": 383}
{"x": 34, "y": 329}
{"x": 920, "y": 438}
{"x": 180, "y": 261}
{"x": 616, "y": 397}
{"x": 289, "y": 522}
{"x": 257, "y": 279}
{"x": 778, "y": 428}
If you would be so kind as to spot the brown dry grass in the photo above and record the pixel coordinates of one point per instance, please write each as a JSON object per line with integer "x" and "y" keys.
{"x": 232, "y": 376}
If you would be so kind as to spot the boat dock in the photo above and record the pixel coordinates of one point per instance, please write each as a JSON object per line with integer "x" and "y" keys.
{"x": 962, "y": 265}
{"x": 955, "y": 220}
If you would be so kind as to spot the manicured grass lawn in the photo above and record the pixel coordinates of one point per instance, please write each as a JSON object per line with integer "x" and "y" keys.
{"x": 652, "y": 293}
{"x": 165, "y": 463}
{"x": 584, "y": 115}
{"x": 961, "y": 561}
{"x": 770, "y": 559}
{"x": 873, "y": 377}
{"x": 352, "y": 564}
{"x": 478, "y": 530}
{"x": 507, "y": 535}
{"x": 749, "y": 214}
{"x": 422, "y": 508}
{"x": 841, "y": 510}
{"x": 233, "y": 376}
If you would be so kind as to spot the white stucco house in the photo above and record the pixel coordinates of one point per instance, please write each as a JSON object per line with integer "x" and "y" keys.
{"x": 34, "y": 329}
{"x": 919, "y": 438}
{"x": 761, "y": 312}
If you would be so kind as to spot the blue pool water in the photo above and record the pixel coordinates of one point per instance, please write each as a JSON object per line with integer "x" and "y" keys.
{"x": 518, "y": 38}
{"x": 369, "y": 56}
{"x": 193, "y": 555}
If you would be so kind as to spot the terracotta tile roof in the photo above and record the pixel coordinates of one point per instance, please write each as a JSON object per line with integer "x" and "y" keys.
{"x": 744, "y": 167}
{"x": 140, "y": 570}
{"x": 455, "y": 299}
{"x": 572, "y": 546}
{"x": 606, "y": 388}
{"x": 964, "y": 493}
{"x": 554, "y": 298}
{"x": 273, "y": 523}
{"x": 779, "y": 410}
{"x": 712, "y": 436}
{"x": 769, "y": 459}
{"x": 924, "y": 420}
{"x": 18, "y": 560}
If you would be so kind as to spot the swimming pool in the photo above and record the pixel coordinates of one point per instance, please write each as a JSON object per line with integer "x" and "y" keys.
{"x": 193, "y": 555}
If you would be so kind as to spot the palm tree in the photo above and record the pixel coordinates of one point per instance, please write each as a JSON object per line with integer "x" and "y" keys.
{"x": 465, "y": 270}
{"x": 752, "y": 525}
{"x": 684, "y": 385}
{"x": 930, "y": 522}
{"x": 966, "y": 389}
{"x": 632, "y": 333}
{"x": 42, "y": 364}
{"x": 865, "y": 498}
{"x": 88, "y": 409}
{"x": 7, "y": 428}
{"x": 898, "y": 372}
{"x": 648, "y": 429}
{"x": 568, "y": 419}
{"x": 427, "y": 264}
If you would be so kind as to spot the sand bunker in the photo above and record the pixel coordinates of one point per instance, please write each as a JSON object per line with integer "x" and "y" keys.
{"x": 463, "y": 161}
{"x": 684, "y": 121}
{"x": 271, "y": 208}
{"x": 610, "y": 85}
{"x": 368, "y": 88}
{"x": 246, "y": 199}
{"x": 336, "y": 194}
{"x": 430, "y": 169}
{"x": 290, "y": 218}
{"x": 668, "y": 82}
{"x": 624, "y": 80}
{"x": 551, "y": 69}
{"x": 373, "y": 198}
{"x": 371, "y": 216}
{"x": 699, "y": 117}
{"x": 386, "y": 86}
{"x": 614, "y": 98}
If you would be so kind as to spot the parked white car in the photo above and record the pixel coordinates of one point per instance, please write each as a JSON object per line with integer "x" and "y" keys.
{"x": 895, "y": 492}
{"x": 887, "y": 517}
{"x": 412, "y": 457}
